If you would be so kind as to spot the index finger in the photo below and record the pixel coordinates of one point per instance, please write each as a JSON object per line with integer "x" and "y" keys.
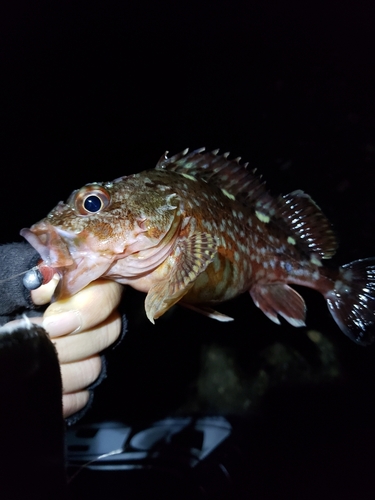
{"x": 93, "y": 304}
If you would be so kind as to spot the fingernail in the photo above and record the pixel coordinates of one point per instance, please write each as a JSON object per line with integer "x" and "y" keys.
{"x": 63, "y": 323}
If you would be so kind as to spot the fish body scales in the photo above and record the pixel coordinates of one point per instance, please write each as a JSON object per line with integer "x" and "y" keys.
{"x": 200, "y": 229}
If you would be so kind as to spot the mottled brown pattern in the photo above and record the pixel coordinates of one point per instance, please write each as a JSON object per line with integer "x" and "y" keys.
{"x": 198, "y": 228}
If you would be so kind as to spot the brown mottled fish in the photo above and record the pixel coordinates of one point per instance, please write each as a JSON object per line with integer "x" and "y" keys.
{"x": 200, "y": 229}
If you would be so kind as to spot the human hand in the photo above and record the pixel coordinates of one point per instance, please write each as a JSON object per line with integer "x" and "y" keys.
{"x": 80, "y": 327}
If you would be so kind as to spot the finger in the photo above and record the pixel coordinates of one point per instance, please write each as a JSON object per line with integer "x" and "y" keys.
{"x": 74, "y": 402}
{"x": 84, "y": 310}
{"x": 71, "y": 348}
{"x": 43, "y": 294}
{"x": 79, "y": 375}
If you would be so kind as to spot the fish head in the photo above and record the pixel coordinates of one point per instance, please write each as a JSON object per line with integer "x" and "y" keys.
{"x": 98, "y": 225}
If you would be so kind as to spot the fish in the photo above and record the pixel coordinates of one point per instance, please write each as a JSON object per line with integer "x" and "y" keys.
{"x": 200, "y": 229}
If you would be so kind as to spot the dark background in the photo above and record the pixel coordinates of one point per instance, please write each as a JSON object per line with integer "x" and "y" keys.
{"x": 92, "y": 91}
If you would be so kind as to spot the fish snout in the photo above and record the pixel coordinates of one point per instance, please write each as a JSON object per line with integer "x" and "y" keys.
{"x": 49, "y": 244}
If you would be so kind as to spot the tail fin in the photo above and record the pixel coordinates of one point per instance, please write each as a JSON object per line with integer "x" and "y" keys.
{"x": 352, "y": 300}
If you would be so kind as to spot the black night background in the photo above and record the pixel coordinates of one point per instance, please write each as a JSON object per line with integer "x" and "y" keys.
{"x": 94, "y": 90}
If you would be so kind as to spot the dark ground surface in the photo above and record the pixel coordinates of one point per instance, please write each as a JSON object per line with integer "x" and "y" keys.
{"x": 91, "y": 92}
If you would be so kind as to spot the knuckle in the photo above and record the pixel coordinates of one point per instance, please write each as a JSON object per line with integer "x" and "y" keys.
{"x": 74, "y": 402}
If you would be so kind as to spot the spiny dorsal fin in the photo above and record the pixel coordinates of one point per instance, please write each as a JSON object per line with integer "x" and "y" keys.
{"x": 218, "y": 170}
{"x": 307, "y": 222}
{"x": 296, "y": 213}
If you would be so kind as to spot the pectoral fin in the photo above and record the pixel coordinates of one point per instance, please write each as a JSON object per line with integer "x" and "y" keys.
{"x": 280, "y": 299}
{"x": 189, "y": 259}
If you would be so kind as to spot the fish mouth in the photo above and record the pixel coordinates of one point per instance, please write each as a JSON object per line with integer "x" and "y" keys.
{"x": 72, "y": 257}
{"x": 48, "y": 242}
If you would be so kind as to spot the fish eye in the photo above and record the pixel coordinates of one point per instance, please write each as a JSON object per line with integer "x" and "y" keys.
{"x": 92, "y": 203}
{"x": 91, "y": 200}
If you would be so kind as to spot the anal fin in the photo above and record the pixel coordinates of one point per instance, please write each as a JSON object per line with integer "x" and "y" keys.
{"x": 280, "y": 299}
